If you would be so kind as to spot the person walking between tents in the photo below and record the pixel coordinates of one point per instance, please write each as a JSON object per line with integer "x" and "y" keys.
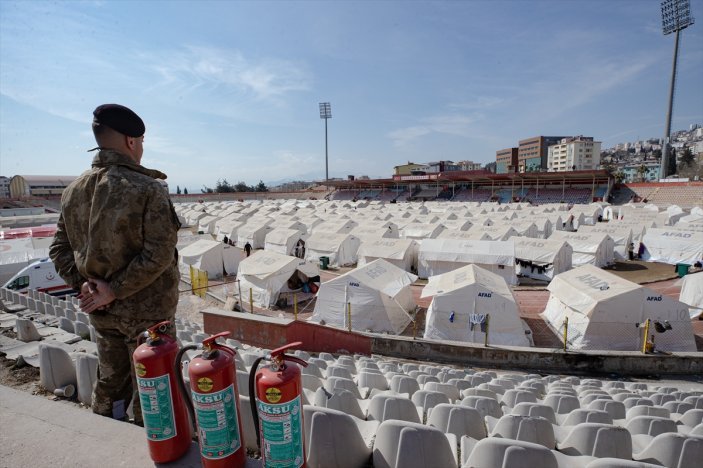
{"x": 631, "y": 251}
{"x": 247, "y": 248}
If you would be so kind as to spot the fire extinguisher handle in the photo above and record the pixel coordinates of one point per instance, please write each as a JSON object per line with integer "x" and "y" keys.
{"x": 284, "y": 348}
{"x": 209, "y": 341}
{"x": 159, "y": 327}
{"x": 297, "y": 360}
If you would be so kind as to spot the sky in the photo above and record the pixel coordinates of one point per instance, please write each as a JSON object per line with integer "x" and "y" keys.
{"x": 230, "y": 89}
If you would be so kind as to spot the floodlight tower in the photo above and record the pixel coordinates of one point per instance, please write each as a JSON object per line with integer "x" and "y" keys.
{"x": 676, "y": 16}
{"x": 326, "y": 113}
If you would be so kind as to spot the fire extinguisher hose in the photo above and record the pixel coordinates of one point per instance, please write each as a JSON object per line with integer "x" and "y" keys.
{"x": 252, "y": 398}
{"x": 185, "y": 393}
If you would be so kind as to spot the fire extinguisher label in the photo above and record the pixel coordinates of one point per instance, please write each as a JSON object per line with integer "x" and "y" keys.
{"x": 157, "y": 407}
{"x": 281, "y": 429}
{"x": 218, "y": 423}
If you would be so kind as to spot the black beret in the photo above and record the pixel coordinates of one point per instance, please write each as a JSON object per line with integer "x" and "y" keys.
{"x": 120, "y": 119}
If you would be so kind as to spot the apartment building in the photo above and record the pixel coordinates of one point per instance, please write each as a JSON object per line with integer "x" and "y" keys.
{"x": 532, "y": 152}
{"x": 469, "y": 166}
{"x": 506, "y": 160}
{"x": 574, "y": 154}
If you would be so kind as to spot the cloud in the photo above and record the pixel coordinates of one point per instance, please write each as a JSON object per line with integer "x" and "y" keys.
{"x": 197, "y": 68}
{"x": 448, "y": 124}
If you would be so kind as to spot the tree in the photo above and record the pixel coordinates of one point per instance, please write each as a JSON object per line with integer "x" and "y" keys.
{"x": 671, "y": 166}
{"x": 185, "y": 191}
{"x": 642, "y": 172}
{"x": 687, "y": 158}
{"x": 206, "y": 190}
{"x": 261, "y": 187}
{"x": 242, "y": 187}
{"x": 223, "y": 186}
{"x": 619, "y": 177}
{"x": 178, "y": 189}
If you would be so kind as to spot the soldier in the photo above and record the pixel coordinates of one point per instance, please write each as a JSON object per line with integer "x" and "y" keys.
{"x": 116, "y": 242}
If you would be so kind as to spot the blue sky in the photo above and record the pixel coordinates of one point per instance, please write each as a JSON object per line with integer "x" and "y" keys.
{"x": 231, "y": 89}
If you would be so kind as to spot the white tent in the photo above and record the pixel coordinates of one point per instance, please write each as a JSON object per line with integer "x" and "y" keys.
{"x": 340, "y": 248}
{"x": 437, "y": 256}
{"x": 338, "y": 226}
{"x": 210, "y": 256}
{"x": 206, "y": 224}
{"x": 672, "y": 246}
{"x": 268, "y": 274}
{"x": 541, "y": 259}
{"x": 462, "y": 300}
{"x": 603, "y": 310}
{"x": 692, "y": 294}
{"x": 589, "y": 249}
{"x": 227, "y": 227}
{"x": 621, "y": 235}
{"x": 379, "y": 295}
{"x": 282, "y": 240}
{"x": 254, "y": 232}
{"x": 399, "y": 252}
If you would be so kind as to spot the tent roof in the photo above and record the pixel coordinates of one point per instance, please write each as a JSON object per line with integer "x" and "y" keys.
{"x": 199, "y": 247}
{"x": 263, "y": 264}
{"x": 394, "y": 249}
{"x": 379, "y": 275}
{"x": 327, "y": 240}
{"x": 467, "y": 276}
{"x": 543, "y": 250}
{"x": 281, "y": 235}
{"x": 469, "y": 251}
{"x": 583, "y": 286}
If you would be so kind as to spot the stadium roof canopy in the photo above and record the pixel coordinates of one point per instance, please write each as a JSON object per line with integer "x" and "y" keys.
{"x": 479, "y": 178}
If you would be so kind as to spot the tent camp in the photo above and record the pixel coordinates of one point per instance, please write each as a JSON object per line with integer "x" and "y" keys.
{"x": 282, "y": 240}
{"x": 270, "y": 274}
{"x": 210, "y": 256}
{"x": 379, "y": 295}
{"x": 437, "y": 256}
{"x": 462, "y": 300}
{"x": 340, "y": 248}
{"x": 541, "y": 259}
{"x": 594, "y": 249}
{"x": 399, "y": 252}
{"x": 672, "y": 246}
{"x": 692, "y": 294}
{"x": 603, "y": 310}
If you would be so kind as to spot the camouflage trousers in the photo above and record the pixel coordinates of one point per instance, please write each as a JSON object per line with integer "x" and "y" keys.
{"x": 116, "y": 386}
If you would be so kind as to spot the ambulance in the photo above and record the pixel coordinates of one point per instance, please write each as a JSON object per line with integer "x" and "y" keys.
{"x": 41, "y": 276}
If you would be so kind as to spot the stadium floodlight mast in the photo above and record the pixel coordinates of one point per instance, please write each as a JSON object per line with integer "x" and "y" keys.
{"x": 676, "y": 16}
{"x": 326, "y": 113}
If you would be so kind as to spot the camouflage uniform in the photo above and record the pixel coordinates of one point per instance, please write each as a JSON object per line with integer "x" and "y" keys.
{"x": 117, "y": 223}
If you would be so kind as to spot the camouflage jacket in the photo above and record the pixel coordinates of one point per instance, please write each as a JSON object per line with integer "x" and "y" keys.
{"x": 117, "y": 223}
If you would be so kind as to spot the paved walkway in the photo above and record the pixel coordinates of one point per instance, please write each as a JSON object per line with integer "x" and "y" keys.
{"x": 39, "y": 432}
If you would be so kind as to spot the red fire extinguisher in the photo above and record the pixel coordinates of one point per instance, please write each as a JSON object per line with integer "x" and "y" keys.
{"x": 214, "y": 403}
{"x": 277, "y": 408}
{"x": 165, "y": 416}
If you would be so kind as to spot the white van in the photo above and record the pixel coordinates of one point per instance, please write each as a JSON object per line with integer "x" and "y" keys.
{"x": 40, "y": 275}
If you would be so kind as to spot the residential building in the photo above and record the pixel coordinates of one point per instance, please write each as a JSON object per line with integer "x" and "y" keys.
{"x": 407, "y": 169}
{"x": 574, "y": 154}
{"x": 442, "y": 166}
{"x": 469, "y": 166}
{"x": 4, "y": 187}
{"x": 645, "y": 171}
{"x": 532, "y": 152}
{"x": 506, "y": 160}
